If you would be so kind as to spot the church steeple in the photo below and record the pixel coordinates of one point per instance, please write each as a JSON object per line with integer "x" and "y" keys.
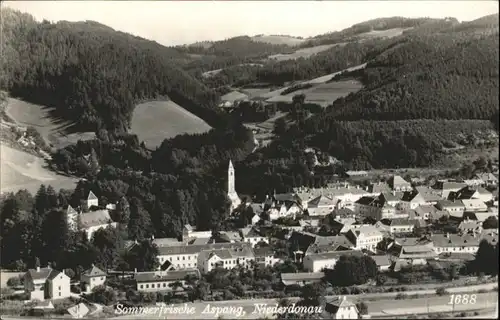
{"x": 230, "y": 179}
{"x": 231, "y": 190}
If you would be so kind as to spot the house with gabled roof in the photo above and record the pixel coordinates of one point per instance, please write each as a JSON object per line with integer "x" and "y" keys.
{"x": 92, "y": 278}
{"x": 252, "y": 236}
{"x": 487, "y": 178}
{"x": 376, "y": 207}
{"x": 411, "y": 200}
{"x": 465, "y": 243}
{"x": 92, "y": 221}
{"x": 445, "y": 187}
{"x": 474, "y": 205}
{"x": 341, "y": 308}
{"x": 365, "y": 237}
{"x": 454, "y": 208}
{"x": 46, "y": 283}
{"x": 227, "y": 258}
{"x": 265, "y": 256}
{"x": 470, "y": 226}
{"x": 398, "y": 225}
{"x": 468, "y": 193}
{"x": 397, "y": 183}
{"x": 320, "y": 206}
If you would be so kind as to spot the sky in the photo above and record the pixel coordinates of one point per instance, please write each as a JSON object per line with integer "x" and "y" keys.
{"x": 184, "y": 22}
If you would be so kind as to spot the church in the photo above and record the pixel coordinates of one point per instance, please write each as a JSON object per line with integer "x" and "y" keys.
{"x": 231, "y": 191}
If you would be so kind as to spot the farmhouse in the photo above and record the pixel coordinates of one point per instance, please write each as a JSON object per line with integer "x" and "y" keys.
{"x": 487, "y": 178}
{"x": 320, "y": 206}
{"x": 411, "y": 200}
{"x": 375, "y": 207}
{"x": 46, "y": 283}
{"x": 92, "y": 278}
{"x": 265, "y": 256}
{"x": 474, "y": 205}
{"x": 444, "y": 188}
{"x": 252, "y": 236}
{"x": 454, "y": 208}
{"x": 399, "y": 225}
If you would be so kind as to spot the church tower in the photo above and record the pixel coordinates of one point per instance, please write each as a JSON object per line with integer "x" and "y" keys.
{"x": 231, "y": 190}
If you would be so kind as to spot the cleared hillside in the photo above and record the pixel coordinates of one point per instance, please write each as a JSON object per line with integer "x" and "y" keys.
{"x": 156, "y": 121}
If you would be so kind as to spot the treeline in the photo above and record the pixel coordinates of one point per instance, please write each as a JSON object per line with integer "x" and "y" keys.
{"x": 379, "y": 24}
{"x": 93, "y": 75}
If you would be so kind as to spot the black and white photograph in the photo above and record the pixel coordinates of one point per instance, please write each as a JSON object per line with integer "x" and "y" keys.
{"x": 249, "y": 159}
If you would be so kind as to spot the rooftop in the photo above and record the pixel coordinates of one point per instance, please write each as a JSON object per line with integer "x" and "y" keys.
{"x": 172, "y": 275}
{"x": 95, "y": 218}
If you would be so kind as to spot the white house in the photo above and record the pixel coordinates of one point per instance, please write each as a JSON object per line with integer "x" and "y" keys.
{"x": 455, "y": 243}
{"x": 225, "y": 258}
{"x": 92, "y": 200}
{"x": 399, "y": 225}
{"x": 189, "y": 233}
{"x": 474, "y": 205}
{"x": 46, "y": 283}
{"x": 95, "y": 220}
{"x": 316, "y": 262}
{"x": 283, "y": 210}
{"x": 399, "y": 184}
{"x": 375, "y": 207}
{"x": 252, "y": 236}
{"x": 365, "y": 237}
{"x": 454, "y": 208}
{"x": 158, "y": 281}
{"x": 92, "y": 278}
{"x": 411, "y": 200}
{"x": 320, "y": 206}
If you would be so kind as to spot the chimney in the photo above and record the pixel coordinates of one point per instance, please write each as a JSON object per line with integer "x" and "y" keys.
{"x": 447, "y": 235}
{"x": 63, "y": 272}
{"x": 135, "y": 270}
{"x": 37, "y": 269}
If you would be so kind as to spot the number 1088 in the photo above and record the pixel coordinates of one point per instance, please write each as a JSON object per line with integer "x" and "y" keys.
{"x": 462, "y": 299}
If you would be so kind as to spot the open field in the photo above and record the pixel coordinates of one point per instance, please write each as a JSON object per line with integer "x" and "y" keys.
{"x": 21, "y": 170}
{"x": 274, "y": 39}
{"x": 156, "y": 121}
{"x": 389, "y": 33}
{"x": 328, "y": 77}
{"x": 52, "y": 130}
{"x": 323, "y": 94}
{"x": 304, "y": 53}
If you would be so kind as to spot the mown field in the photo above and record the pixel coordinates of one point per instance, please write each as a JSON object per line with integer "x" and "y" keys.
{"x": 323, "y": 94}
{"x": 304, "y": 53}
{"x": 52, "y": 130}
{"x": 21, "y": 170}
{"x": 156, "y": 121}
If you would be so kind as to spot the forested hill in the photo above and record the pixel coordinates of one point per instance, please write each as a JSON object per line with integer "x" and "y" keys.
{"x": 438, "y": 76}
{"x": 92, "y": 74}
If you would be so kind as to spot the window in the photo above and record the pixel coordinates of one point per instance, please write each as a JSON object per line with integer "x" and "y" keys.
{"x": 177, "y": 258}
{"x": 183, "y": 258}
{"x": 59, "y": 294}
{"x": 147, "y": 286}
{"x": 59, "y": 288}
{"x": 141, "y": 286}
{"x": 102, "y": 278}
{"x": 164, "y": 284}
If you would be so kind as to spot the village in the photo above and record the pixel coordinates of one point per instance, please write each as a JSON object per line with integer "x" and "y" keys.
{"x": 398, "y": 225}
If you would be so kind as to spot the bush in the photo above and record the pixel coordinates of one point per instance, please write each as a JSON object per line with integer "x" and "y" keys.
{"x": 441, "y": 291}
{"x": 401, "y": 296}
{"x": 362, "y": 308}
{"x": 14, "y": 282}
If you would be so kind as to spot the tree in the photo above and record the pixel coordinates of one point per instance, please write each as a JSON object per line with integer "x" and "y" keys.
{"x": 362, "y": 308}
{"x": 280, "y": 126}
{"x": 312, "y": 294}
{"x": 486, "y": 260}
{"x": 139, "y": 226}
{"x": 352, "y": 270}
{"x": 143, "y": 256}
{"x": 490, "y": 223}
{"x": 122, "y": 212}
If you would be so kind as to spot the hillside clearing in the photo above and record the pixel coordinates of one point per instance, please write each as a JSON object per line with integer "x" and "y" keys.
{"x": 156, "y": 121}
{"x": 274, "y": 39}
{"x": 52, "y": 130}
{"x": 389, "y": 33}
{"x": 304, "y": 53}
{"x": 323, "y": 94}
{"x": 21, "y": 170}
{"x": 212, "y": 73}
